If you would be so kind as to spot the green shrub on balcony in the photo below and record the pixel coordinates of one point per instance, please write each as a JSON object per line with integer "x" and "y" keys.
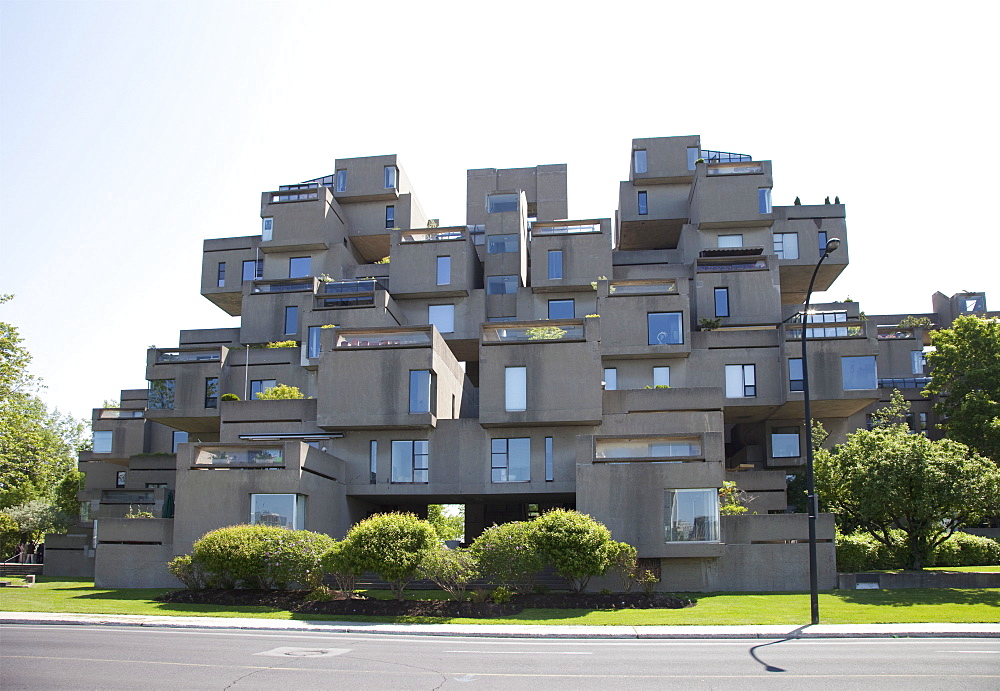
{"x": 279, "y": 393}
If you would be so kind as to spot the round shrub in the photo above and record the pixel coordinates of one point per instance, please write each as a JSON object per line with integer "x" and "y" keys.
{"x": 507, "y": 555}
{"x": 965, "y": 549}
{"x": 186, "y": 571}
{"x": 259, "y": 556}
{"x": 230, "y": 397}
{"x": 576, "y": 545}
{"x": 341, "y": 561}
{"x": 392, "y": 545}
{"x": 862, "y": 552}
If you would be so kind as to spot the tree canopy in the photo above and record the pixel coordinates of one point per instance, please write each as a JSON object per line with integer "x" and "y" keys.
{"x": 965, "y": 374}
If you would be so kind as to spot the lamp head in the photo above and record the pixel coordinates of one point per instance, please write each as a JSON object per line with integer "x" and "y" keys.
{"x": 832, "y": 245}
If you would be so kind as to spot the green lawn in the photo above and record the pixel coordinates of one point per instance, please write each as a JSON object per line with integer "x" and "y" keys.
{"x": 980, "y": 605}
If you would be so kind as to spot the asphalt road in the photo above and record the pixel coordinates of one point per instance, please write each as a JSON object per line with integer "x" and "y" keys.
{"x": 103, "y": 657}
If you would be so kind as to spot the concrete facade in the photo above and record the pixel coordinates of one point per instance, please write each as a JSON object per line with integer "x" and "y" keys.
{"x": 623, "y": 366}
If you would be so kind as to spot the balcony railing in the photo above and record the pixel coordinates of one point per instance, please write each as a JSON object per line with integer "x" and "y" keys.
{"x": 735, "y": 169}
{"x": 626, "y": 288}
{"x": 431, "y": 236}
{"x": 904, "y": 383}
{"x": 349, "y": 293}
{"x": 117, "y": 414}
{"x": 255, "y": 457}
{"x": 537, "y": 229}
{"x": 383, "y": 339}
{"x": 711, "y": 156}
{"x": 757, "y": 265}
{"x": 127, "y": 496}
{"x": 288, "y": 285}
{"x": 533, "y": 334}
{"x": 168, "y": 356}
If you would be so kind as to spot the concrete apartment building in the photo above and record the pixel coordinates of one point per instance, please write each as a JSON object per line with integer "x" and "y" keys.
{"x": 624, "y": 367}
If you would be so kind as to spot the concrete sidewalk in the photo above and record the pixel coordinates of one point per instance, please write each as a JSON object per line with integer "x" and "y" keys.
{"x": 518, "y": 631}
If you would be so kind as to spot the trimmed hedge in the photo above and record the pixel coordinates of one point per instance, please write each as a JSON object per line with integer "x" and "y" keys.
{"x": 862, "y": 552}
{"x": 964, "y": 549}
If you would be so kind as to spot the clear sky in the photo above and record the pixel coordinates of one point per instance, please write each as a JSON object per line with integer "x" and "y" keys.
{"x": 132, "y": 131}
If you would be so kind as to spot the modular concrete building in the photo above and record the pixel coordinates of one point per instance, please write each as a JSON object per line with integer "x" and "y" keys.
{"x": 525, "y": 360}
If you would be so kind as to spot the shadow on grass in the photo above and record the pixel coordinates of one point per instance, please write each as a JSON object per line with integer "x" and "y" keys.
{"x": 902, "y": 597}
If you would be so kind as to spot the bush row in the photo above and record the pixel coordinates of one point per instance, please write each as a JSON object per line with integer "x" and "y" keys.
{"x": 400, "y": 547}
{"x": 862, "y": 552}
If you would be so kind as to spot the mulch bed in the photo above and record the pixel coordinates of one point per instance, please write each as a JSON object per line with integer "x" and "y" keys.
{"x": 294, "y": 601}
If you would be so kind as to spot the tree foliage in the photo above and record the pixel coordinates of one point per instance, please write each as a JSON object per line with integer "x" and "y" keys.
{"x": 279, "y": 393}
{"x": 451, "y": 570}
{"x": 965, "y": 373}
{"x": 577, "y": 546}
{"x": 887, "y": 479}
{"x": 448, "y": 526}
{"x": 36, "y": 517}
{"x": 392, "y": 545}
{"x": 507, "y": 555}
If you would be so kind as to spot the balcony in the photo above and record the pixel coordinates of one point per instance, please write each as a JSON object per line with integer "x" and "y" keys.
{"x": 712, "y": 157}
{"x": 628, "y": 288}
{"x": 734, "y": 169}
{"x": 538, "y": 229}
{"x": 171, "y": 356}
{"x": 285, "y": 285}
{"x": 438, "y": 235}
{"x": 239, "y": 457}
{"x": 904, "y": 383}
{"x": 340, "y": 294}
{"x": 383, "y": 339}
{"x": 118, "y": 414}
{"x": 720, "y": 265}
{"x": 535, "y": 332}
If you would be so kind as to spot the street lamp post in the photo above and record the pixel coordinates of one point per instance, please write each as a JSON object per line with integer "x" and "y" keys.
{"x": 813, "y": 504}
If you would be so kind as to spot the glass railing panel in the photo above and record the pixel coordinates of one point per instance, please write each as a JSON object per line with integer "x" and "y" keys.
{"x": 651, "y": 448}
{"x": 530, "y": 334}
{"x": 376, "y": 340}
{"x": 565, "y": 230}
{"x": 116, "y": 414}
{"x": 628, "y": 288}
{"x": 240, "y": 456}
{"x": 168, "y": 356}
{"x": 126, "y": 496}
{"x": 289, "y": 286}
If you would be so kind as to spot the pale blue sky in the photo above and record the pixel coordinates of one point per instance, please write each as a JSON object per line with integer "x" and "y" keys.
{"x": 132, "y": 131}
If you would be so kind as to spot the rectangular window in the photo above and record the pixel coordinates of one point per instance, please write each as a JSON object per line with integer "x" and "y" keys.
{"x": 786, "y": 245}
{"x": 391, "y": 173}
{"x": 222, "y": 274}
{"x": 917, "y": 361}
{"x": 648, "y": 448}
{"x": 562, "y": 309}
{"x": 691, "y": 515}
{"x": 858, "y": 372}
{"x": 923, "y": 422}
{"x": 555, "y": 264}
{"x": 610, "y": 378}
{"x": 278, "y": 510}
{"x": 722, "y": 302}
{"x": 501, "y": 285}
{"x": 511, "y": 460}
{"x": 266, "y": 229}
{"x": 734, "y": 240}
{"x": 291, "y": 319}
{"x": 314, "y": 341}
{"x": 102, "y": 442}
{"x": 409, "y": 461}
{"x": 639, "y": 161}
{"x": 341, "y": 180}
{"x": 785, "y": 442}
{"x": 549, "y": 471}
{"x": 499, "y": 203}
{"x": 795, "y": 382}
{"x": 661, "y": 376}
{"x": 120, "y": 478}
{"x": 390, "y": 216}
{"x": 443, "y": 317}
{"x": 764, "y": 200}
{"x": 178, "y": 438}
{"x": 372, "y": 461}
{"x": 160, "y": 395}
{"x": 211, "y": 392}
{"x": 253, "y": 269}
{"x": 420, "y": 391}
{"x": 444, "y": 271}
{"x": 694, "y": 153}
{"x": 741, "y": 381}
{"x": 299, "y": 267}
{"x": 501, "y": 244}
{"x": 822, "y": 242}
{"x": 260, "y": 385}
{"x": 664, "y": 328}
{"x": 643, "y": 207}
{"x": 515, "y": 389}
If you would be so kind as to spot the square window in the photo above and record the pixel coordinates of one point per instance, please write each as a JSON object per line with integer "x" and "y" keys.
{"x": 253, "y": 269}
{"x": 102, "y": 442}
{"x": 443, "y": 317}
{"x": 639, "y": 160}
{"x": 643, "y": 206}
{"x": 786, "y": 245}
{"x": 610, "y": 378}
{"x": 785, "y": 442}
{"x": 261, "y": 385}
{"x": 278, "y": 510}
{"x": 501, "y": 244}
{"x": 722, "y": 302}
{"x": 741, "y": 381}
{"x": 420, "y": 391}
{"x": 502, "y": 285}
{"x": 555, "y": 264}
{"x": 410, "y": 461}
{"x": 510, "y": 460}
{"x": 691, "y": 515}
{"x": 734, "y": 240}
{"x": 562, "y": 309}
{"x": 515, "y": 389}
{"x": 299, "y": 267}
{"x": 444, "y": 271}
{"x": 664, "y": 328}
{"x": 858, "y": 372}
{"x": 160, "y": 395}
{"x": 500, "y": 203}
{"x": 291, "y": 320}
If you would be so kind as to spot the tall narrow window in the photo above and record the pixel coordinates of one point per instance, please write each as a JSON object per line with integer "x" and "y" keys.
{"x": 785, "y": 442}
{"x": 549, "y": 470}
{"x": 764, "y": 200}
{"x": 639, "y": 160}
{"x": 693, "y": 154}
{"x": 643, "y": 208}
{"x": 420, "y": 391}
{"x": 390, "y": 216}
{"x": 917, "y": 361}
{"x": 741, "y": 381}
{"x": 178, "y": 438}
{"x": 372, "y": 461}
{"x": 510, "y": 460}
{"x": 786, "y": 245}
{"x": 444, "y": 271}
{"x": 822, "y": 242}
{"x": 314, "y": 336}
{"x": 691, "y": 515}
{"x": 661, "y": 376}
{"x": 923, "y": 422}
{"x": 341, "y": 180}
{"x": 291, "y": 319}
{"x": 555, "y": 264}
{"x": 562, "y": 309}
{"x": 211, "y": 392}
{"x": 390, "y": 177}
{"x": 443, "y": 317}
{"x": 102, "y": 442}
{"x": 722, "y": 302}
{"x": 299, "y": 267}
{"x": 732, "y": 240}
{"x": 222, "y": 274}
{"x": 410, "y": 461}
{"x": 795, "y": 382}
{"x": 253, "y": 269}
{"x": 120, "y": 478}
{"x": 664, "y": 328}
{"x": 266, "y": 229}
{"x": 610, "y": 378}
{"x": 515, "y": 389}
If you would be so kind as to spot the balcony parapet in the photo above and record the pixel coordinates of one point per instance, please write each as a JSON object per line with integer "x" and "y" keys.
{"x": 284, "y": 285}
{"x": 545, "y": 331}
{"x": 623, "y": 401}
{"x": 239, "y": 457}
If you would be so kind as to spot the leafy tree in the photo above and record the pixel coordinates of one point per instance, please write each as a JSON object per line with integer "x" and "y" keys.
{"x": 451, "y": 570}
{"x": 342, "y": 562}
{"x": 507, "y": 555}
{"x": 576, "y": 545}
{"x": 965, "y": 372}
{"x": 10, "y": 536}
{"x": 887, "y": 479}
{"x": 392, "y": 545}
{"x": 35, "y": 518}
{"x": 279, "y": 393}
{"x": 623, "y": 561}
{"x": 448, "y": 526}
